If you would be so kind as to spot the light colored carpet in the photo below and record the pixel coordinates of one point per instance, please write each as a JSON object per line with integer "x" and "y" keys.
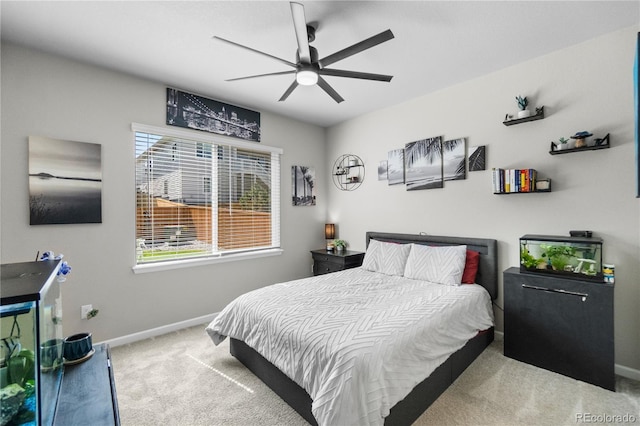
{"x": 183, "y": 379}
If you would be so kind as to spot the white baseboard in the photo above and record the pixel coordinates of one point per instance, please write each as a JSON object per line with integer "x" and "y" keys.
{"x": 628, "y": 372}
{"x": 158, "y": 331}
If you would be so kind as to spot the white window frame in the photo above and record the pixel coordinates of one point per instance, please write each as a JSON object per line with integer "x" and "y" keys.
{"x": 214, "y": 139}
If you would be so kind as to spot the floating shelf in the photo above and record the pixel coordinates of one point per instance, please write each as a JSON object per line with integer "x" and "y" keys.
{"x": 522, "y": 192}
{"x": 603, "y": 145}
{"x": 538, "y": 116}
{"x": 348, "y": 172}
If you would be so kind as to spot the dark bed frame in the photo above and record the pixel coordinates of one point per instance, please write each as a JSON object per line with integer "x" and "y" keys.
{"x": 425, "y": 393}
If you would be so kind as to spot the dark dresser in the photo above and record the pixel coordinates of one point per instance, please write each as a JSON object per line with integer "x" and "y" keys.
{"x": 563, "y": 325}
{"x": 325, "y": 261}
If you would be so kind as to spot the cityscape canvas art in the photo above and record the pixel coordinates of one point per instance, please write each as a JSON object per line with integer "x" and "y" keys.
{"x": 65, "y": 181}
{"x": 195, "y": 112}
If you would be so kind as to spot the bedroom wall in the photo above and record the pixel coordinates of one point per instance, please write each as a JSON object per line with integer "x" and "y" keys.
{"x": 585, "y": 87}
{"x": 50, "y": 96}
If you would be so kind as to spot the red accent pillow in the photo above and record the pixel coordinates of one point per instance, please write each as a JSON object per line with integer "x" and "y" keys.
{"x": 471, "y": 267}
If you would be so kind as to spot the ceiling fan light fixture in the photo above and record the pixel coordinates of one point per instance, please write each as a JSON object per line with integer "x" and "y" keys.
{"x": 307, "y": 77}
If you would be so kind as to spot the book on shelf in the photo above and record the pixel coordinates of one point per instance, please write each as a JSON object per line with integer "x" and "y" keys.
{"x": 513, "y": 180}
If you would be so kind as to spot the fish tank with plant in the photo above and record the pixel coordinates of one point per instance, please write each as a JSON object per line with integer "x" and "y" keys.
{"x": 31, "y": 343}
{"x": 568, "y": 257}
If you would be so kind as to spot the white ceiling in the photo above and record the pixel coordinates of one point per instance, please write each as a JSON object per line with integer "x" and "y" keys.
{"x": 437, "y": 43}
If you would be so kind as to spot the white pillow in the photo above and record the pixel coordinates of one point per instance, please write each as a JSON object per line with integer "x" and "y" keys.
{"x": 442, "y": 264}
{"x": 386, "y": 258}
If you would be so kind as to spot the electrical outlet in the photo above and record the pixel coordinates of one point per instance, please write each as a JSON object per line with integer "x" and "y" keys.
{"x": 84, "y": 311}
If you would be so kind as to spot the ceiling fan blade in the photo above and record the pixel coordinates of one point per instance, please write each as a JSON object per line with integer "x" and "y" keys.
{"x": 355, "y": 74}
{"x": 300, "y": 26}
{"x": 262, "y": 75}
{"x": 291, "y": 64}
{"x": 325, "y": 86}
{"x": 289, "y": 90}
{"x": 356, "y": 48}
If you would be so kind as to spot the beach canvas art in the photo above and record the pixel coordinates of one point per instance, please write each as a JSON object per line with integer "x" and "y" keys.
{"x": 65, "y": 181}
{"x": 423, "y": 164}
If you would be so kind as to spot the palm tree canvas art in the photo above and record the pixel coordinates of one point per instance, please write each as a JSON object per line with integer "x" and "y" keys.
{"x": 395, "y": 166}
{"x": 302, "y": 185}
{"x": 477, "y": 158}
{"x": 423, "y": 164}
{"x": 453, "y": 159}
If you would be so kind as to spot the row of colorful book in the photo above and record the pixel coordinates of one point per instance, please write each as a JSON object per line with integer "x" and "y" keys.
{"x": 514, "y": 180}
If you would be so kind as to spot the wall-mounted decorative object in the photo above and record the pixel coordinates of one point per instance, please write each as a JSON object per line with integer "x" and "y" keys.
{"x": 348, "y": 172}
{"x": 423, "y": 164}
{"x": 382, "y": 170}
{"x": 477, "y": 158}
{"x": 454, "y": 159}
{"x": 303, "y": 185}
{"x": 65, "y": 181}
{"x": 395, "y": 166}
{"x": 195, "y": 112}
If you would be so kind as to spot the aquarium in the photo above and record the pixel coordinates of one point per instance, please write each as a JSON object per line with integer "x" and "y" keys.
{"x": 569, "y": 257}
{"x": 31, "y": 352}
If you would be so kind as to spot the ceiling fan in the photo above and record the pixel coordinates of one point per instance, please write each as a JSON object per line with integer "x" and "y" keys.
{"x": 308, "y": 69}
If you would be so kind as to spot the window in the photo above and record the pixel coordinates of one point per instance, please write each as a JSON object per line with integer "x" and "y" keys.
{"x": 191, "y": 205}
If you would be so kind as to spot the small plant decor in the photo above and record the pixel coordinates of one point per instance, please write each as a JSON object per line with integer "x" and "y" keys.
{"x": 340, "y": 244}
{"x": 522, "y": 102}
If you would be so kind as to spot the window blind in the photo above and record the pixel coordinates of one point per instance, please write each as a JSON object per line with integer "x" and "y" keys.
{"x": 202, "y": 196}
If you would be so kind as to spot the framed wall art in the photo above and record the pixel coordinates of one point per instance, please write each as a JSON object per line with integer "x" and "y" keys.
{"x": 395, "y": 167}
{"x": 195, "y": 112}
{"x": 65, "y": 181}
{"x": 423, "y": 164}
{"x": 477, "y": 158}
{"x": 302, "y": 185}
{"x": 454, "y": 164}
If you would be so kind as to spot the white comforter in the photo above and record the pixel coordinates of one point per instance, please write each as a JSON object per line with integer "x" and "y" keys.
{"x": 356, "y": 341}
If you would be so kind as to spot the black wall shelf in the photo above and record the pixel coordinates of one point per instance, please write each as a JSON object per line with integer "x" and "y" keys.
{"x": 538, "y": 116}
{"x": 602, "y": 145}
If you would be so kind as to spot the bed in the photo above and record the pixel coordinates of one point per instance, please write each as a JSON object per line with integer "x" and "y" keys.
{"x": 360, "y": 369}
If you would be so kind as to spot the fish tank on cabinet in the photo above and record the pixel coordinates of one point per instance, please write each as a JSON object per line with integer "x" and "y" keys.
{"x": 566, "y": 257}
{"x": 31, "y": 351}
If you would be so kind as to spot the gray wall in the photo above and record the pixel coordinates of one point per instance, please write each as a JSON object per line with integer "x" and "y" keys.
{"x": 586, "y": 87}
{"x": 49, "y": 96}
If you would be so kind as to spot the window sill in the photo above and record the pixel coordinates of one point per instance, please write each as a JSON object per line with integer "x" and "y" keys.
{"x": 189, "y": 263}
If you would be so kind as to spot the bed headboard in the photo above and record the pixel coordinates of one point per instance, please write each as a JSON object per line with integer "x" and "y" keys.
{"x": 488, "y": 248}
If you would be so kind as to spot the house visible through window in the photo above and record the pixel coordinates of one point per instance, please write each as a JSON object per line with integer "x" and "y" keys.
{"x": 191, "y": 204}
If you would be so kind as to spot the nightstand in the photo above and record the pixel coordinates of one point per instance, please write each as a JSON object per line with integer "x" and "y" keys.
{"x": 325, "y": 261}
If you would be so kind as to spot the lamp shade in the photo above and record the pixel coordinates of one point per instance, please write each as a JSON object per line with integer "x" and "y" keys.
{"x": 329, "y": 231}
